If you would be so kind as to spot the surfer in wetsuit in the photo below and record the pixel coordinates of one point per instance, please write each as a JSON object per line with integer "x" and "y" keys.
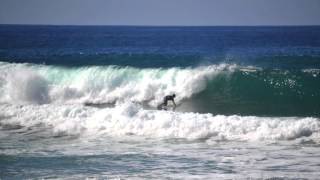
{"x": 165, "y": 102}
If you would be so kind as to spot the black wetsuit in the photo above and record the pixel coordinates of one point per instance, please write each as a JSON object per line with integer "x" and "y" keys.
{"x": 166, "y": 99}
{"x": 165, "y": 102}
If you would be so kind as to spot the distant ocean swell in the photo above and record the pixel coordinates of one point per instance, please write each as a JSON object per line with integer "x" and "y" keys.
{"x": 294, "y": 59}
{"x": 219, "y": 89}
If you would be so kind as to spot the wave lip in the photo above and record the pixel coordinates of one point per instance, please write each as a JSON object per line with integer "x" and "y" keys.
{"x": 27, "y": 86}
{"x": 218, "y": 89}
{"x": 42, "y": 84}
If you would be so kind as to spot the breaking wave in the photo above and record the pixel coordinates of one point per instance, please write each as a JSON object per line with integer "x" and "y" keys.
{"x": 219, "y": 89}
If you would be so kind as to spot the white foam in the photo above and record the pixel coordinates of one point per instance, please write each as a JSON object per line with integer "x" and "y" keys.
{"x": 39, "y": 84}
{"x": 56, "y": 87}
{"x": 129, "y": 119}
{"x": 25, "y": 86}
{"x": 314, "y": 72}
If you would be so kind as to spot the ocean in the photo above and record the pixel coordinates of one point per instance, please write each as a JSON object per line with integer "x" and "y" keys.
{"x": 80, "y": 102}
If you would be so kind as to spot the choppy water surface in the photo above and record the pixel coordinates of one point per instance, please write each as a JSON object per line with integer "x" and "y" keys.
{"x": 80, "y": 102}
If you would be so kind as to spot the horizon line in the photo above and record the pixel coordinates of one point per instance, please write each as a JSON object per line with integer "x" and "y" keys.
{"x": 123, "y": 25}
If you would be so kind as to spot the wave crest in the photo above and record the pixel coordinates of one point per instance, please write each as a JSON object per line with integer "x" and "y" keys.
{"x": 107, "y": 84}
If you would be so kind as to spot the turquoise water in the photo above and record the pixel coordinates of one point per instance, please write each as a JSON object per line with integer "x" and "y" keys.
{"x": 80, "y": 102}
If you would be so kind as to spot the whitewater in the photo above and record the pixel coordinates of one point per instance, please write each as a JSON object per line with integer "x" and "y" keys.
{"x": 121, "y": 129}
{"x": 80, "y": 102}
{"x": 48, "y": 84}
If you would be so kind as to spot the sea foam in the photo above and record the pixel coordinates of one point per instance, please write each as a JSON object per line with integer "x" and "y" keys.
{"x": 43, "y": 84}
{"x": 130, "y": 119}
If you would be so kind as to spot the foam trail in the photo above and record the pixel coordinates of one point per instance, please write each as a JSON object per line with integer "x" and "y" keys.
{"x": 127, "y": 119}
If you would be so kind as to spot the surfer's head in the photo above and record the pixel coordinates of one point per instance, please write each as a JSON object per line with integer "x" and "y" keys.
{"x": 173, "y": 95}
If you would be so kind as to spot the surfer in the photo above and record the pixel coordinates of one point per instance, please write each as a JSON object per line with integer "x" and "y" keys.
{"x": 165, "y": 102}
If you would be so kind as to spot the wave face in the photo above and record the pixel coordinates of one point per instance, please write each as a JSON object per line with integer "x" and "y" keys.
{"x": 262, "y": 92}
{"x": 218, "y": 89}
{"x": 81, "y": 101}
{"x": 43, "y": 119}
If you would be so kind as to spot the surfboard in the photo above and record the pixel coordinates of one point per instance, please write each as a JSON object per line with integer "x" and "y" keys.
{"x": 99, "y": 105}
{"x": 166, "y": 108}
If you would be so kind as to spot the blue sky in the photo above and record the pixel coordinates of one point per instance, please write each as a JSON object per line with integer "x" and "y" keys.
{"x": 160, "y": 12}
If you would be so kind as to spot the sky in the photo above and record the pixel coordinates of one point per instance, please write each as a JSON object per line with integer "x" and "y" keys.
{"x": 161, "y": 12}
